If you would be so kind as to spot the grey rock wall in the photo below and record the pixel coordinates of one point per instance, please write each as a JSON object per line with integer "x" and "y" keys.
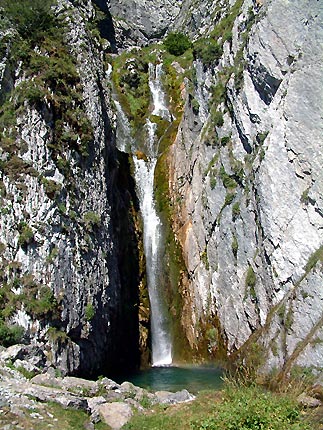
{"x": 247, "y": 244}
{"x": 76, "y": 250}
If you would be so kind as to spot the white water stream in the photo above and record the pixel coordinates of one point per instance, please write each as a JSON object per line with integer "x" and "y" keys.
{"x": 153, "y": 241}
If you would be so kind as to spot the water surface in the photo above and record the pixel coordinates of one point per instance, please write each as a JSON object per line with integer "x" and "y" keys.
{"x": 193, "y": 378}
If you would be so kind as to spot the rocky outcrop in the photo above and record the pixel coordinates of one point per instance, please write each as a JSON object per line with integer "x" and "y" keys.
{"x": 140, "y": 21}
{"x": 250, "y": 187}
{"x": 239, "y": 177}
{"x": 103, "y": 400}
{"x": 64, "y": 202}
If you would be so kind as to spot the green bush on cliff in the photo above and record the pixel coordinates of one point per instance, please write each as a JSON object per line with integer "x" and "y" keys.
{"x": 177, "y": 43}
{"x": 31, "y": 18}
{"x": 10, "y": 335}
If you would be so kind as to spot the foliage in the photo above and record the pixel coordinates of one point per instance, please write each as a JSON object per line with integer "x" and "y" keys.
{"x": 10, "y": 334}
{"x": 177, "y": 43}
{"x": 89, "y": 312}
{"x": 208, "y": 50}
{"x": 229, "y": 199}
{"x": 52, "y": 188}
{"x": 40, "y": 301}
{"x": 251, "y": 408}
{"x": 26, "y": 235}
{"x": 53, "y": 255}
{"x": 235, "y": 210}
{"x": 31, "y": 18}
{"x": 235, "y": 246}
{"x": 217, "y": 118}
{"x": 237, "y": 407}
{"x": 250, "y": 277}
{"x": 91, "y": 219}
{"x": 228, "y": 181}
{"x": 316, "y": 257}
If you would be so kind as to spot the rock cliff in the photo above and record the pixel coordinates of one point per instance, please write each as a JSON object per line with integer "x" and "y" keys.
{"x": 238, "y": 181}
{"x": 65, "y": 197}
{"x": 248, "y": 175}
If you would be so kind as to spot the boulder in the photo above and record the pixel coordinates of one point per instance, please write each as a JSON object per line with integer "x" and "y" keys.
{"x": 167, "y": 397}
{"x": 115, "y": 414}
{"x": 308, "y": 401}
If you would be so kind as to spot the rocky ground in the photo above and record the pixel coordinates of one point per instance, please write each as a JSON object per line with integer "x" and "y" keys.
{"x": 39, "y": 402}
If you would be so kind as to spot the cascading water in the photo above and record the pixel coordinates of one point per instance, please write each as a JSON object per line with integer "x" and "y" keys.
{"x": 144, "y": 176}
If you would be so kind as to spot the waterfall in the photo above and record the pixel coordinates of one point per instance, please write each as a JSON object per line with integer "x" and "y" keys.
{"x": 153, "y": 240}
{"x": 123, "y": 137}
{"x": 157, "y": 93}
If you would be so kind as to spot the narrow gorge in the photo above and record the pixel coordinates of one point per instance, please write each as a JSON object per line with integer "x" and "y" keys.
{"x": 161, "y": 186}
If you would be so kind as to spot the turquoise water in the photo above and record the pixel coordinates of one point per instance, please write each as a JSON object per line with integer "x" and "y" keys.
{"x": 193, "y": 378}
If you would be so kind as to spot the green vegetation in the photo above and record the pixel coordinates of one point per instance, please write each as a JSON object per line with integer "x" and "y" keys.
{"x": 228, "y": 180}
{"x": 237, "y": 407}
{"x": 91, "y": 220}
{"x": 51, "y": 82}
{"x": 130, "y": 78}
{"x": 10, "y": 335}
{"x": 26, "y": 234}
{"x": 177, "y": 43}
{"x": 235, "y": 210}
{"x": 315, "y": 258}
{"x": 39, "y": 301}
{"x": 64, "y": 418}
{"x": 31, "y": 18}
{"x": 235, "y": 246}
{"x": 251, "y": 408}
{"x": 52, "y": 188}
{"x": 89, "y": 312}
{"x": 208, "y": 50}
{"x": 52, "y": 255}
{"x": 250, "y": 278}
{"x": 229, "y": 197}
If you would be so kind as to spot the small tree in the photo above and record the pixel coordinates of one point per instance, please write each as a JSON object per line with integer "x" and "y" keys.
{"x": 177, "y": 43}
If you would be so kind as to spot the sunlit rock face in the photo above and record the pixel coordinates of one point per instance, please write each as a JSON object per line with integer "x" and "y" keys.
{"x": 245, "y": 182}
{"x": 249, "y": 244}
{"x": 139, "y": 21}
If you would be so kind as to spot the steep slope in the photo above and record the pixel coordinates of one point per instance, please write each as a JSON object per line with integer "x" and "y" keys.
{"x": 246, "y": 166}
{"x": 64, "y": 199}
{"x": 244, "y": 180}
{"x": 238, "y": 182}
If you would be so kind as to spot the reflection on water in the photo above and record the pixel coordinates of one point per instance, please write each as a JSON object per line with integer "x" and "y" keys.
{"x": 194, "y": 379}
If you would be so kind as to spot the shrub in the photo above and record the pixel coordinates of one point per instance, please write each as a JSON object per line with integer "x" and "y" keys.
{"x": 31, "y": 18}
{"x": 10, "y": 335}
{"x": 91, "y": 219}
{"x": 89, "y": 312}
{"x": 217, "y": 118}
{"x": 40, "y": 301}
{"x": 250, "y": 278}
{"x": 208, "y": 50}
{"x": 227, "y": 180}
{"x": 229, "y": 199}
{"x": 251, "y": 408}
{"x": 26, "y": 234}
{"x": 235, "y": 246}
{"x": 235, "y": 210}
{"x": 177, "y": 43}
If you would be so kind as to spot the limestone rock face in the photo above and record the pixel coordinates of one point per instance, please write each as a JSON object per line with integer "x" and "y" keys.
{"x": 250, "y": 217}
{"x": 57, "y": 234}
{"x": 142, "y": 20}
{"x": 245, "y": 184}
